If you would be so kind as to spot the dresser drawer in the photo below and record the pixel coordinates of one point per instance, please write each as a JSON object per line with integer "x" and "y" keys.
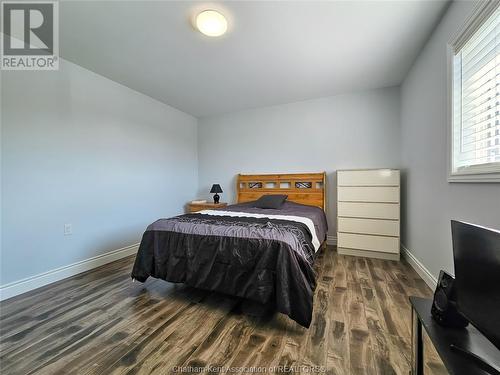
{"x": 388, "y": 194}
{"x": 369, "y": 210}
{"x": 368, "y": 226}
{"x": 195, "y": 207}
{"x": 379, "y": 177}
{"x": 367, "y": 242}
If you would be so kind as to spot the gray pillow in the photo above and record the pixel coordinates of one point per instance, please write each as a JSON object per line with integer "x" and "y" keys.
{"x": 270, "y": 201}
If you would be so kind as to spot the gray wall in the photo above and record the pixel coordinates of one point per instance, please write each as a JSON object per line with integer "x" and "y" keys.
{"x": 359, "y": 130}
{"x": 78, "y": 148}
{"x": 429, "y": 201}
{"x": 1, "y": 183}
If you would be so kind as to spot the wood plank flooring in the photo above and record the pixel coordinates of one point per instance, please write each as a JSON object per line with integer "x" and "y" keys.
{"x": 100, "y": 322}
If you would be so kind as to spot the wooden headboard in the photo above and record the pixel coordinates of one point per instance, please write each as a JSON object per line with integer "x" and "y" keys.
{"x": 303, "y": 188}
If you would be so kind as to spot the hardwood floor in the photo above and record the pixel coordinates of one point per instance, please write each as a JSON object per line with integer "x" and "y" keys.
{"x": 100, "y": 322}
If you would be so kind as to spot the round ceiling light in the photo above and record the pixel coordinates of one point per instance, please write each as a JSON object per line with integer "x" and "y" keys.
{"x": 211, "y": 23}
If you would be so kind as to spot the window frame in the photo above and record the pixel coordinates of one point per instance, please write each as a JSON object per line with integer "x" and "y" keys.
{"x": 482, "y": 172}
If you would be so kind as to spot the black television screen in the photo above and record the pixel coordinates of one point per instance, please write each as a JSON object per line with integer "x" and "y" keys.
{"x": 476, "y": 253}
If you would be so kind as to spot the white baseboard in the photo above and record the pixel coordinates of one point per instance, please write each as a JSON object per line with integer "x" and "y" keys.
{"x": 422, "y": 271}
{"x": 331, "y": 240}
{"x": 25, "y": 285}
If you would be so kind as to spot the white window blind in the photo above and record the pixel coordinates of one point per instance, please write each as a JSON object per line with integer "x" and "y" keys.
{"x": 476, "y": 100}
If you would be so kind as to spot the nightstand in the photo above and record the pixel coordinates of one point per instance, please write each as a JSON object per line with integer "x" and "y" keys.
{"x": 195, "y": 207}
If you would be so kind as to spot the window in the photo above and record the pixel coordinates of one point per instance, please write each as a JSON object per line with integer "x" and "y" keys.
{"x": 475, "y": 98}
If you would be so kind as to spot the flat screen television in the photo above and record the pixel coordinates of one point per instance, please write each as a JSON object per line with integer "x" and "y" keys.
{"x": 476, "y": 254}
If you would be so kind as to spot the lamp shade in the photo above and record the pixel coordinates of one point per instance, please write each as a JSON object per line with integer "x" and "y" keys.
{"x": 216, "y": 189}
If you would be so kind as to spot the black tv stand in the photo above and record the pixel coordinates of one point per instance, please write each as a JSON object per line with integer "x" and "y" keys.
{"x": 482, "y": 363}
{"x": 463, "y": 350}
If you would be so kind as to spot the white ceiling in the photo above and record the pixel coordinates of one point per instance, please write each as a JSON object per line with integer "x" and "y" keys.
{"x": 274, "y": 52}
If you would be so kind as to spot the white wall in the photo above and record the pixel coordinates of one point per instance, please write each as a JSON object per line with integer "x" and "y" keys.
{"x": 429, "y": 200}
{"x": 78, "y": 148}
{"x": 359, "y": 130}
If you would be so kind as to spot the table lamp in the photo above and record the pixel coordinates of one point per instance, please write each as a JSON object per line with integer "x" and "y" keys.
{"x": 216, "y": 189}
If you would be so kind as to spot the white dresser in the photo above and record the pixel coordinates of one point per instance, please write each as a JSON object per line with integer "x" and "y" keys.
{"x": 368, "y": 213}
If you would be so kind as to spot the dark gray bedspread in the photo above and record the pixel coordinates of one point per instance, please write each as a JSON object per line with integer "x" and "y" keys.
{"x": 262, "y": 259}
{"x": 316, "y": 214}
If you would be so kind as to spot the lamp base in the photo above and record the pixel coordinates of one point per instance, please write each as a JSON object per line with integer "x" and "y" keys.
{"x": 216, "y": 198}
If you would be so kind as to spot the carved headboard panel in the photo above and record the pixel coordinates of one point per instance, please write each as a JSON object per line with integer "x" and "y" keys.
{"x": 303, "y": 188}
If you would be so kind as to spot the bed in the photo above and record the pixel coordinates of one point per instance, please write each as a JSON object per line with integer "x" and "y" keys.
{"x": 263, "y": 255}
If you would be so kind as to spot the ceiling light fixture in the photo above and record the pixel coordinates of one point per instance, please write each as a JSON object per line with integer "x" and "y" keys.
{"x": 211, "y": 23}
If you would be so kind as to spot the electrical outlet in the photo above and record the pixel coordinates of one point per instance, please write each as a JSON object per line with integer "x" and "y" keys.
{"x": 68, "y": 229}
